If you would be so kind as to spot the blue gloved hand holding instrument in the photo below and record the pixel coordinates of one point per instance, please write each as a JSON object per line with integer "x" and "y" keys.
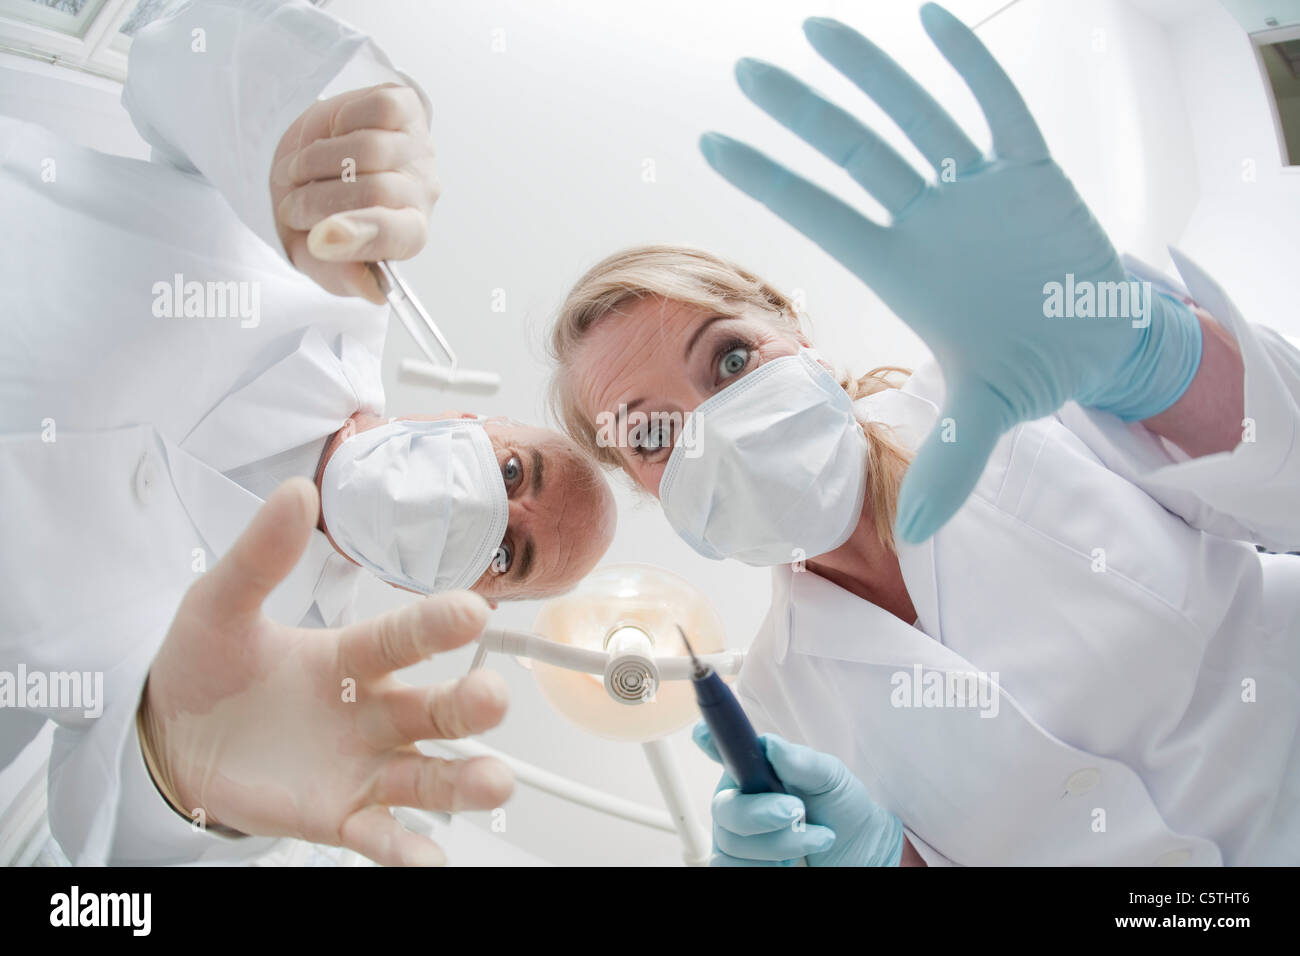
{"x": 778, "y": 803}
{"x": 824, "y": 815}
{"x": 969, "y": 258}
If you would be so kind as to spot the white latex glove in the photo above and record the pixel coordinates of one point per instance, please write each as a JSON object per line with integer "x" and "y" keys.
{"x": 353, "y": 182}
{"x": 249, "y": 719}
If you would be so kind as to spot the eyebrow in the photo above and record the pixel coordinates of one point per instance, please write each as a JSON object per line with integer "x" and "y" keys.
{"x": 695, "y": 336}
{"x": 525, "y": 561}
{"x": 537, "y": 471}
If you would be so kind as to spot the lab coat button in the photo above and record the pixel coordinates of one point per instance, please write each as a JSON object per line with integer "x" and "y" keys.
{"x": 1174, "y": 857}
{"x": 146, "y": 477}
{"x": 1082, "y": 781}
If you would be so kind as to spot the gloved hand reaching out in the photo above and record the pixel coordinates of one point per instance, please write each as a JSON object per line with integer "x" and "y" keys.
{"x": 969, "y": 258}
{"x": 826, "y": 817}
{"x": 256, "y": 723}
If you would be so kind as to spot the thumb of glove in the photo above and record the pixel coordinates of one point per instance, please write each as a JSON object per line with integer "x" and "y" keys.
{"x": 951, "y": 459}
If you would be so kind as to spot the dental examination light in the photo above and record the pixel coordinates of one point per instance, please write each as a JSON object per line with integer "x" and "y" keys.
{"x": 610, "y": 657}
{"x": 419, "y": 323}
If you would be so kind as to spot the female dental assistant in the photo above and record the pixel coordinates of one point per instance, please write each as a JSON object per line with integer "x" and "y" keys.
{"x": 1054, "y": 641}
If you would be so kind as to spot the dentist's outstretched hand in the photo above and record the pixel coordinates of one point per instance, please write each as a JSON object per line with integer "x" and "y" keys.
{"x": 287, "y": 731}
{"x": 352, "y": 182}
{"x": 826, "y": 816}
{"x": 969, "y": 256}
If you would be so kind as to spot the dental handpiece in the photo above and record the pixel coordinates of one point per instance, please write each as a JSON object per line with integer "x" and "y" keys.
{"x": 733, "y": 735}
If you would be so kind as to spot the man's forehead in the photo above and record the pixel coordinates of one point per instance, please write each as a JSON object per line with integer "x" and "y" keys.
{"x": 526, "y": 436}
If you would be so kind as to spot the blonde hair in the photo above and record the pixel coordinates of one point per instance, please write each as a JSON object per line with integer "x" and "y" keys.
{"x": 694, "y": 277}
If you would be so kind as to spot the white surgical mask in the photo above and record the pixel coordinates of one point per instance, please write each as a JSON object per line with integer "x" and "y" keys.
{"x": 774, "y": 470}
{"x": 420, "y": 504}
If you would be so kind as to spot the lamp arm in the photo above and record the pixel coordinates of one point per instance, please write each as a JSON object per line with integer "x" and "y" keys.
{"x": 503, "y": 640}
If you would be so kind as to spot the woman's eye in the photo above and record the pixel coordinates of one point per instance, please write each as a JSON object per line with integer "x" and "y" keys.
{"x": 501, "y": 559}
{"x": 733, "y": 361}
{"x": 512, "y": 470}
{"x": 658, "y": 437}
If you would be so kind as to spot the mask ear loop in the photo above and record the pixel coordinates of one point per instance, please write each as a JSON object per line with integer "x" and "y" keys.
{"x": 420, "y": 325}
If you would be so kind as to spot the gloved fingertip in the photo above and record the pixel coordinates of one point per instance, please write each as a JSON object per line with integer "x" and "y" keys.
{"x": 913, "y": 526}
{"x": 819, "y": 26}
{"x": 340, "y": 238}
{"x": 750, "y": 71}
{"x": 704, "y": 740}
{"x": 933, "y": 15}
{"x": 700, "y": 733}
{"x": 711, "y": 145}
{"x": 822, "y": 841}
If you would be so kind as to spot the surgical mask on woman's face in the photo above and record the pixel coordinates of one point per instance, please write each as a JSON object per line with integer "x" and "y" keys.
{"x": 420, "y": 504}
{"x": 771, "y": 469}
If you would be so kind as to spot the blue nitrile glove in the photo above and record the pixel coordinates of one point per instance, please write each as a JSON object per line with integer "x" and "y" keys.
{"x": 843, "y": 826}
{"x": 968, "y": 258}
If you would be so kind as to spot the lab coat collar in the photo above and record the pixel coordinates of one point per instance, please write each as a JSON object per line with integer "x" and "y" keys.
{"x": 336, "y": 588}
{"x": 911, "y": 412}
{"x": 305, "y": 396}
{"x": 815, "y": 616}
{"x": 220, "y": 510}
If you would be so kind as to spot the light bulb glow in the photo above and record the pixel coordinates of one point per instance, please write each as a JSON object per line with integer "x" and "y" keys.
{"x": 627, "y": 597}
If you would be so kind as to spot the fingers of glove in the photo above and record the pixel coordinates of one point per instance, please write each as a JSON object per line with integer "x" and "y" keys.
{"x": 374, "y": 834}
{"x": 841, "y": 230}
{"x": 411, "y": 779}
{"x": 304, "y": 207}
{"x": 390, "y": 106}
{"x": 1015, "y": 134}
{"x": 951, "y": 459}
{"x": 368, "y": 235}
{"x": 412, "y": 633}
{"x": 338, "y": 278}
{"x": 803, "y": 769}
{"x": 316, "y": 121}
{"x": 917, "y": 113}
{"x": 787, "y": 844}
{"x": 703, "y": 739}
{"x": 360, "y": 151}
{"x": 748, "y": 814}
{"x": 262, "y": 556}
{"x": 872, "y": 163}
{"x": 461, "y": 708}
{"x": 722, "y": 859}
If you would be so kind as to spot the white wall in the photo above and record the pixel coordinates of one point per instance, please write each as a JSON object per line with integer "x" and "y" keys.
{"x": 1246, "y": 227}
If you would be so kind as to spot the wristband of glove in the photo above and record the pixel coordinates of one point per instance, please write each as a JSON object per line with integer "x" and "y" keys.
{"x": 1164, "y": 360}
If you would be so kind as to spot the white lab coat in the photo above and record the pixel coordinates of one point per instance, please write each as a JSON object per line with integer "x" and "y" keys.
{"x": 1143, "y": 656}
{"x": 109, "y": 523}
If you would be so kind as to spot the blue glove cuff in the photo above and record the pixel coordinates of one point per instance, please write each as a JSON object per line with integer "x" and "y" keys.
{"x": 887, "y": 848}
{"x": 1161, "y": 366}
{"x": 894, "y": 854}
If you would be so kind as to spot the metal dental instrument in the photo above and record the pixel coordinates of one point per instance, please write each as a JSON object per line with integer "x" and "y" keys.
{"x": 419, "y": 323}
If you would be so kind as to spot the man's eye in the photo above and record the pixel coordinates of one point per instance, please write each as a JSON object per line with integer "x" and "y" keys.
{"x": 512, "y": 470}
{"x": 501, "y": 559}
{"x": 733, "y": 361}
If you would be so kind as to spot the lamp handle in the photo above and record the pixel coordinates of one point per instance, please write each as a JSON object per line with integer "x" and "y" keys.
{"x": 504, "y": 640}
